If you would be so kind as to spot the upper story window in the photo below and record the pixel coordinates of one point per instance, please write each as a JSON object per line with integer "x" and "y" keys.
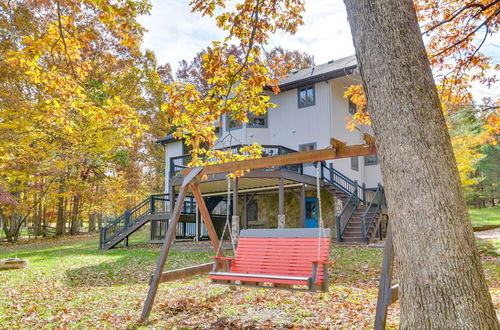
{"x": 231, "y": 123}
{"x": 256, "y": 121}
{"x": 306, "y": 96}
{"x": 352, "y": 108}
{"x": 371, "y": 160}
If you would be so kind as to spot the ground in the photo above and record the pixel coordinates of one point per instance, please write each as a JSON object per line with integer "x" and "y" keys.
{"x": 489, "y": 216}
{"x": 71, "y": 284}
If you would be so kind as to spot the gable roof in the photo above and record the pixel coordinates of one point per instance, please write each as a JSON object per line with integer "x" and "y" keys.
{"x": 321, "y": 72}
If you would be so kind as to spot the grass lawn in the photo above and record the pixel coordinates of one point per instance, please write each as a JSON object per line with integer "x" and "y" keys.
{"x": 71, "y": 284}
{"x": 485, "y": 216}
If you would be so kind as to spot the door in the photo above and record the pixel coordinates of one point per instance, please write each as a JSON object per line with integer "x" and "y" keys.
{"x": 311, "y": 212}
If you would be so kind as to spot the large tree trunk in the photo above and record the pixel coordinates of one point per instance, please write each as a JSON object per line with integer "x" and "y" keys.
{"x": 60, "y": 222}
{"x": 440, "y": 274}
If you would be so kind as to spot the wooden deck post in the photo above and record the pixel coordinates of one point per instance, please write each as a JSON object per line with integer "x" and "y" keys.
{"x": 281, "y": 204}
{"x": 303, "y": 206}
{"x": 235, "y": 221}
{"x": 245, "y": 211}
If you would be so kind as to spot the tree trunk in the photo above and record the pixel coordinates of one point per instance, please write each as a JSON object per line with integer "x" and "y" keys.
{"x": 38, "y": 218}
{"x": 440, "y": 273}
{"x": 75, "y": 224}
{"x": 92, "y": 216}
{"x": 60, "y": 222}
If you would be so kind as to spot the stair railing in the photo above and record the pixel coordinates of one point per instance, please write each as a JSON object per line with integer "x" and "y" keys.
{"x": 371, "y": 212}
{"x": 342, "y": 182}
{"x": 154, "y": 204}
{"x": 352, "y": 203}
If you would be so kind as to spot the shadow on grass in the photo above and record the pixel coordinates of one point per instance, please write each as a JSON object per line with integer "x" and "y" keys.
{"x": 129, "y": 269}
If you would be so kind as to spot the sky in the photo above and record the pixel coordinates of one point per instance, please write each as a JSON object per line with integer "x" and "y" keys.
{"x": 175, "y": 34}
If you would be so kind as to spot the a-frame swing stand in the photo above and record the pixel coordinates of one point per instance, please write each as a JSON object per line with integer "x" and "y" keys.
{"x": 190, "y": 182}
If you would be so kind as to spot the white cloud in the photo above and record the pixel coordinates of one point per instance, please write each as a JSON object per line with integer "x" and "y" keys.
{"x": 174, "y": 33}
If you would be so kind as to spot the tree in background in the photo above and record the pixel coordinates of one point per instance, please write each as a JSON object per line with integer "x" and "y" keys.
{"x": 69, "y": 90}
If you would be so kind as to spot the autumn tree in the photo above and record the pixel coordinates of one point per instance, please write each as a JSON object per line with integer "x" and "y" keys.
{"x": 67, "y": 101}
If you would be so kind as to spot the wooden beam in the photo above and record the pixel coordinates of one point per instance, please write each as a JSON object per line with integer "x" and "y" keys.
{"x": 205, "y": 216}
{"x": 235, "y": 196}
{"x": 287, "y": 159}
{"x": 186, "y": 272}
{"x": 174, "y": 219}
{"x": 337, "y": 144}
{"x": 302, "y": 202}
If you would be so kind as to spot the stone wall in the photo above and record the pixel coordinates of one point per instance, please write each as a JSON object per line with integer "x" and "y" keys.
{"x": 268, "y": 209}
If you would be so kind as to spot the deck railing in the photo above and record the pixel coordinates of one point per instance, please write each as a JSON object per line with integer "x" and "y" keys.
{"x": 154, "y": 204}
{"x": 342, "y": 182}
{"x": 349, "y": 208}
{"x": 372, "y": 211}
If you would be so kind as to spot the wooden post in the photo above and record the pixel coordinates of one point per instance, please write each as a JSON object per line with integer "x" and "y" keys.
{"x": 281, "y": 204}
{"x": 174, "y": 219}
{"x": 303, "y": 206}
{"x": 235, "y": 221}
{"x": 197, "y": 221}
{"x": 386, "y": 294}
{"x": 205, "y": 216}
{"x": 245, "y": 211}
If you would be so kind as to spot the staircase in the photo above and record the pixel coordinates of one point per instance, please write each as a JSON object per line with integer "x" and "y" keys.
{"x": 361, "y": 214}
{"x": 155, "y": 207}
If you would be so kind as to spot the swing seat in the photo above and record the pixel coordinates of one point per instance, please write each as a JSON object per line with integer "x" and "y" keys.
{"x": 279, "y": 257}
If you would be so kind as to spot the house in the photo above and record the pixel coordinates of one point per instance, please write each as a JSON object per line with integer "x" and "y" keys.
{"x": 311, "y": 109}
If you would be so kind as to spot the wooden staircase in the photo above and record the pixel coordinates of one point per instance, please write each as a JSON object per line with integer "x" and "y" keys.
{"x": 155, "y": 207}
{"x": 361, "y": 215}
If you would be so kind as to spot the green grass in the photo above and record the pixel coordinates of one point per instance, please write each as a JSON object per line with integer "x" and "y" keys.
{"x": 69, "y": 283}
{"x": 485, "y": 216}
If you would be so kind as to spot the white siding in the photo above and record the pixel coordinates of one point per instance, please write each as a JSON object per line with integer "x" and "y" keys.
{"x": 173, "y": 149}
{"x": 291, "y": 126}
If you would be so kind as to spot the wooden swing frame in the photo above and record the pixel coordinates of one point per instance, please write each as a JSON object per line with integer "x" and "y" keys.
{"x": 192, "y": 176}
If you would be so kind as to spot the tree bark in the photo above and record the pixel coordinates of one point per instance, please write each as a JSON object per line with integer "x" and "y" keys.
{"x": 440, "y": 273}
{"x": 75, "y": 224}
{"x": 92, "y": 217}
{"x": 60, "y": 223}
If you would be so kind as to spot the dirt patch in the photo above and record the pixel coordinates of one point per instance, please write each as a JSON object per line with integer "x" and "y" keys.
{"x": 488, "y": 234}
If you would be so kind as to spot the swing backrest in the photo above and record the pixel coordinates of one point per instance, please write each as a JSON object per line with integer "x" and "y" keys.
{"x": 287, "y": 252}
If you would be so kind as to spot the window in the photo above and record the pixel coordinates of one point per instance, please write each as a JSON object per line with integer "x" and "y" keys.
{"x": 306, "y": 96}
{"x": 354, "y": 163}
{"x": 371, "y": 160}
{"x": 352, "y": 108}
{"x": 231, "y": 123}
{"x": 255, "y": 121}
{"x": 307, "y": 146}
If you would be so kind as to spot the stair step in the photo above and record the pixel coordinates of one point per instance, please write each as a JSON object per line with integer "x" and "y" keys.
{"x": 353, "y": 239}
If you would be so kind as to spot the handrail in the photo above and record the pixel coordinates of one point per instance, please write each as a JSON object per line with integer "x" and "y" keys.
{"x": 377, "y": 196}
{"x": 352, "y": 200}
{"x": 342, "y": 182}
{"x": 147, "y": 206}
